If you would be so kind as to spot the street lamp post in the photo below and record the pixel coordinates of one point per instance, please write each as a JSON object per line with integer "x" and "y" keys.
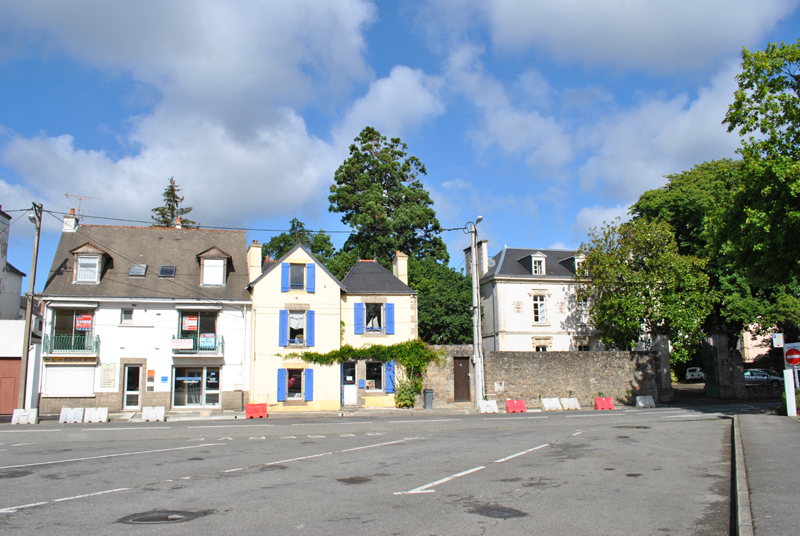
{"x": 477, "y": 337}
{"x": 36, "y": 219}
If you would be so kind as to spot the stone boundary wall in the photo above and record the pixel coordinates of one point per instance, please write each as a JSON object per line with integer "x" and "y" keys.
{"x": 531, "y": 376}
{"x": 440, "y": 377}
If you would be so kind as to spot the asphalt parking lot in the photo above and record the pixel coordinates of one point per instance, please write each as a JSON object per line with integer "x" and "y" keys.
{"x": 662, "y": 471}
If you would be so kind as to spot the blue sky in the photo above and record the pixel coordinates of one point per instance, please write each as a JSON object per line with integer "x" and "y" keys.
{"x": 547, "y": 118}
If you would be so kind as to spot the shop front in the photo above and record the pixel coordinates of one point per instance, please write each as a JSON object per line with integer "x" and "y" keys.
{"x": 196, "y": 386}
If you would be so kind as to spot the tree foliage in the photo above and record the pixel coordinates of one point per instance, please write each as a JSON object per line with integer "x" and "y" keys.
{"x": 378, "y": 191}
{"x": 167, "y": 215}
{"x": 319, "y": 243}
{"x": 639, "y": 282}
{"x": 444, "y": 302}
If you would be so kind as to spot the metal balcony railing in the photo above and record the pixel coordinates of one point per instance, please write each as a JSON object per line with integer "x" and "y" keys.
{"x": 197, "y": 349}
{"x": 71, "y": 345}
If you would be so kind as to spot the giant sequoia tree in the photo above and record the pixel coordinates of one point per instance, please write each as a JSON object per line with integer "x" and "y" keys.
{"x": 378, "y": 191}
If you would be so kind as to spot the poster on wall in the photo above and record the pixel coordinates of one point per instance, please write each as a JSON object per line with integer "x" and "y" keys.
{"x": 189, "y": 323}
{"x": 83, "y": 322}
{"x": 208, "y": 340}
{"x": 108, "y": 375}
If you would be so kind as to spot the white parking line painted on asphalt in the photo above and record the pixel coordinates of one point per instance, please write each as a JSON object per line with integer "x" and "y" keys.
{"x": 142, "y": 429}
{"x": 231, "y": 426}
{"x": 501, "y": 460}
{"x": 515, "y": 417}
{"x": 426, "y": 420}
{"x": 288, "y": 437}
{"x": 696, "y": 416}
{"x": 12, "y": 509}
{"x": 21, "y": 444}
{"x": 603, "y": 414}
{"x": 108, "y": 456}
{"x": 379, "y": 444}
{"x": 422, "y": 489}
{"x": 579, "y": 432}
{"x": 26, "y": 431}
{"x": 337, "y": 423}
{"x": 316, "y": 436}
{"x": 347, "y": 435}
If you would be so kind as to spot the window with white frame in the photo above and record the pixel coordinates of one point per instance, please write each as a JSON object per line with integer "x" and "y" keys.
{"x": 540, "y": 348}
{"x": 297, "y": 327}
{"x": 213, "y": 272}
{"x": 127, "y": 316}
{"x": 538, "y": 267}
{"x": 539, "y": 312}
{"x": 88, "y": 268}
{"x": 583, "y": 310}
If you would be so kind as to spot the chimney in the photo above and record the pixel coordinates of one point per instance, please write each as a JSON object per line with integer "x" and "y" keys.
{"x": 70, "y": 222}
{"x": 400, "y": 267}
{"x": 178, "y": 223}
{"x": 253, "y": 260}
{"x": 483, "y": 257}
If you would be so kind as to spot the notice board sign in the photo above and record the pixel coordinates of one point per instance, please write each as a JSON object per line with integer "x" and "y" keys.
{"x": 183, "y": 344}
{"x": 108, "y": 375}
{"x": 83, "y": 323}
{"x": 208, "y": 340}
{"x": 190, "y": 323}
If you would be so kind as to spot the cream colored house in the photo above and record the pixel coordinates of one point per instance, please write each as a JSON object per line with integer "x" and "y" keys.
{"x": 299, "y": 306}
{"x": 529, "y": 301}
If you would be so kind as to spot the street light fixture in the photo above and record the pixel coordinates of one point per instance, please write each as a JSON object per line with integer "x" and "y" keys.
{"x": 477, "y": 337}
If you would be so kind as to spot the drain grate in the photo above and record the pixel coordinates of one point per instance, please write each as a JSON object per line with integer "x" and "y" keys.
{"x": 157, "y": 517}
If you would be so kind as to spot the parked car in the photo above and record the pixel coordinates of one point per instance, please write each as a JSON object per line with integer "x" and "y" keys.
{"x": 762, "y": 377}
{"x": 695, "y": 374}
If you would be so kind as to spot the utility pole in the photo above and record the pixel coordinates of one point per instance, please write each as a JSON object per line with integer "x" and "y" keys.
{"x": 36, "y": 219}
{"x": 477, "y": 336}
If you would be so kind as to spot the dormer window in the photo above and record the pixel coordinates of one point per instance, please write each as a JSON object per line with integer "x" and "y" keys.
{"x": 214, "y": 266}
{"x": 88, "y": 269}
{"x": 538, "y": 267}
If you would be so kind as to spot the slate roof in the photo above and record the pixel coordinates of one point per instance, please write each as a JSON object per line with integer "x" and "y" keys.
{"x": 153, "y": 246}
{"x": 557, "y": 264}
{"x": 268, "y": 266}
{"x": 369, "y": 277}
{"x": 10, "y": 268}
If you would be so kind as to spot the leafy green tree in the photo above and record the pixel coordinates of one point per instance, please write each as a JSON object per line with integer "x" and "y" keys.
{"x": 378, "y": 192}
{"x": 318, "y": 243}
{"x": 639, "y": 282}
{"x": 444, "y": 302}
{"x": 168, "y": 215}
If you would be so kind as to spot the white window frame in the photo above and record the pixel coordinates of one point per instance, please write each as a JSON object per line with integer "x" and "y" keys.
{"x": 537, "y": 267}
{"x": 80, "y": 274}
{"x": 539, "y": 309}
{"x": 289, "y": 329}
{"x": 215, "y": 276}
{"x": 122, "y": 319}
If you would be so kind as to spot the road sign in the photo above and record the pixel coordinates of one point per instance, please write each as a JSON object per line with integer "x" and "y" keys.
{"x": 777, "y": 340}
{"x": 793, "y": 356}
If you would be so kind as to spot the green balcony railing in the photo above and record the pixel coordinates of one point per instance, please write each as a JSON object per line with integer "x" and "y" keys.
{"x": 191, "y": 345}
{"x": 71, "y": 344}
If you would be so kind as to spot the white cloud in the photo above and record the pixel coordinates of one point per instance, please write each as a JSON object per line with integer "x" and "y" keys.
{"x": 596, "y": 216}
{"x": 456, "y": 184}
{"x": 635, "y": 149}
{"x": 654, "y": 36}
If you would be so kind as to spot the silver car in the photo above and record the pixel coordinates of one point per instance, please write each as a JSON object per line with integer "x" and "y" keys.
{"x": 762, "y": 377}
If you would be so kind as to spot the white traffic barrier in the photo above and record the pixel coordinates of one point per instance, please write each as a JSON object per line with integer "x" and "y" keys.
{"x": 488, "y": 406}
{"x": 570, "y": 404}
{"x": 645, "y": 402}
{"x": 153, "y": 413}
{"x": 96, "y": 415}
{"x": 71, "y": 415}
{"x": 551, "y": 404}
{"x": 25, "y": 416}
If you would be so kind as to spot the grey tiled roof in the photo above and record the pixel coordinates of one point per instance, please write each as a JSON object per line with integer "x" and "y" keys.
{"x": 11, "y": 268}
{"x": 369, "y": 277}
{"x": 507, "y": 263}
{"x": 153, "y": 246}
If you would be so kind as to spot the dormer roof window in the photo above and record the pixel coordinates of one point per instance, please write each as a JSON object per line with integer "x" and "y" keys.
{"x": 88, "y": 263}
{"x": 213, "y": 266}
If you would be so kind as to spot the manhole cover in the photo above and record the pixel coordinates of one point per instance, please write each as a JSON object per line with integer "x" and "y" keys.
{"x": 634, "y": 427}
{"x": 496, "y": 511}
{"x": 157, "y": 517}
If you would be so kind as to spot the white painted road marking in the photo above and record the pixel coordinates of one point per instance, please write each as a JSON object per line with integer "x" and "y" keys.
{"x": 380, "y": 444}
{"x": 501, "y": 460}
{"x": 115, "y": 429}
{"x": 504, "y": 418}
{"x": 13, "y": 509}
{"x": 25, "y": 431}
{"x": 231, "y": 426}
{"x": 426, "y": 420}
{"x": 328, "y": 423}
{"x": 108, "y": 456}
{"x": 422, "y": 489}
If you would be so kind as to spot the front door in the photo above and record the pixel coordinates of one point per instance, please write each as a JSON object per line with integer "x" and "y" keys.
{"x": 349, "y": 384}
{"x": 188, "y": 387}
{"x": 461, "y": 379}
{"x": 133, "y": 386}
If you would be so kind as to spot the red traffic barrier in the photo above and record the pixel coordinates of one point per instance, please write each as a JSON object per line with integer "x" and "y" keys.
{"x": 253, "y": 411}
{"x": 604, "y": 403}
{"x": 515, "y": 406}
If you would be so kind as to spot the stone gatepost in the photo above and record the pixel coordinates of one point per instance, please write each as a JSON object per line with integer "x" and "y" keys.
{"x": 664, "y": 376}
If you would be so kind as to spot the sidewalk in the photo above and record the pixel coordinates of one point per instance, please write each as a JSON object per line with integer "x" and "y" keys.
{"x": 772, "y": 466}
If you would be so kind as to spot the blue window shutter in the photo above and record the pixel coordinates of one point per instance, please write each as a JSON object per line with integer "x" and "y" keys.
{"x": 281, "y": 385}
{"x": 283, "y": 327}
{"x": 310, "y": 277}
{"x": 309, "y": 384}
{"x": 359, "y": 318}
{"x": 310, "y": 328}
{"x": 390, "y": 377}
{"x": 390, "y": 319}
{"x": 285, "y": 277}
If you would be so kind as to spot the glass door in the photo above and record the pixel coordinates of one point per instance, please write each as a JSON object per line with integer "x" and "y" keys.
{"x": 133, "y": 386}
{"x": 188, "y": 387}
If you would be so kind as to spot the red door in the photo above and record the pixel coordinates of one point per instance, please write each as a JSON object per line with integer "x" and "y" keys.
{"x": 9, "y": 385}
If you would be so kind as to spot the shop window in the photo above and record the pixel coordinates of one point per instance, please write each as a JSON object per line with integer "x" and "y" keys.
{"x": 196, "y": 386}
{"x": 374, "y": 376}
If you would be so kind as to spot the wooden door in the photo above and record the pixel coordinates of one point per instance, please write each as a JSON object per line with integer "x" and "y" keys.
{"x": 9, "y": 385}
{"x": 461, "y": 379}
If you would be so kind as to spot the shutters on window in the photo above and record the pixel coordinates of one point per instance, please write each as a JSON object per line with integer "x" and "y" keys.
{"x": 310, "y": 317}
{"x": 311, "y": 277}
{"x": 281, "y": 385}
{"x": 308, "y": 381}
{"x": 359, "y": 318}
{"x": 285, "y": 277}
{"x": 390, "y": 319}
{"x": 390, "y": 377}
{"x": 283, "y": 327}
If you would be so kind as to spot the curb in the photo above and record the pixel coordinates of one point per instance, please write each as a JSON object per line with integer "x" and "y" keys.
{"x": 741, "y": 499}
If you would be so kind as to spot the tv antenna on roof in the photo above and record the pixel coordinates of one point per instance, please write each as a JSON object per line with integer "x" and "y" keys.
{"x": 80, "y": 198}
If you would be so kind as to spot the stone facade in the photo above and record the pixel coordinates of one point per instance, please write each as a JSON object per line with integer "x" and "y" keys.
{"x": 440, "y": 377}
{"x": 531, "y": 376}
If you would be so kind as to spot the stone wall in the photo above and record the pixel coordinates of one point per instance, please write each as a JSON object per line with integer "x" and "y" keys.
{"x": 439, "y": 377}
{"x": 531, "y": 376}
